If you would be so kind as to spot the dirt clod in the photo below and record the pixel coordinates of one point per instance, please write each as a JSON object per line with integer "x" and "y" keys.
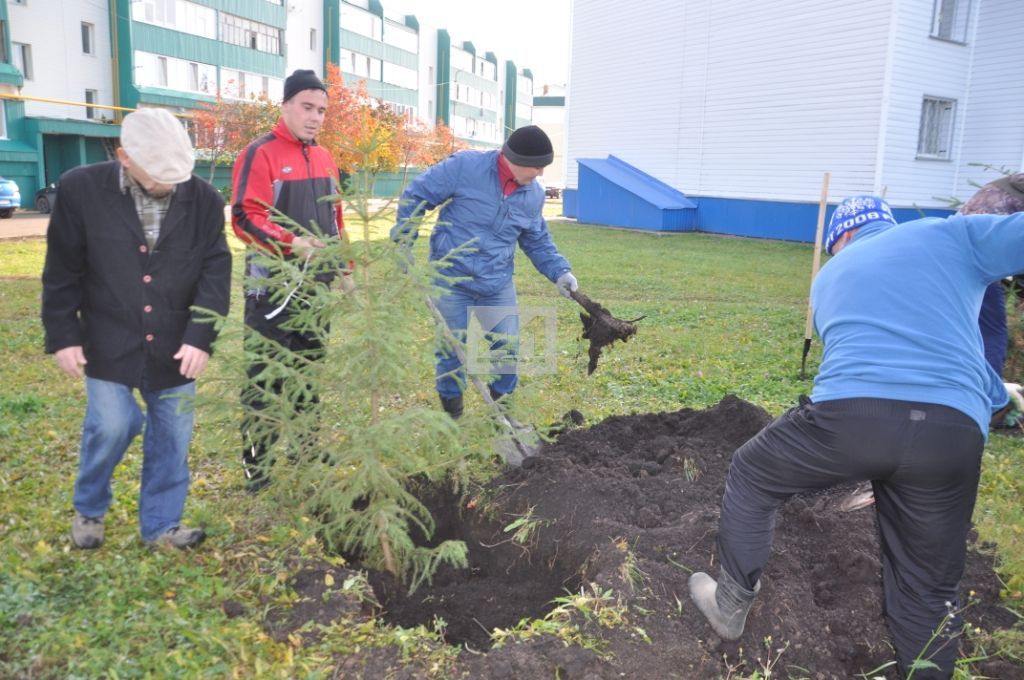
{"x": 601, "y": 328}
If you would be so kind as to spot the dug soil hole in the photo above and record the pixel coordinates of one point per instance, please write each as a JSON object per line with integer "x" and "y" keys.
{"x": 628, "y": 509}
{"x": 511, "y": 576}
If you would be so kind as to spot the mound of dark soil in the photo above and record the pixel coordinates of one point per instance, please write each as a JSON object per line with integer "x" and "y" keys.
{"x": 631, "y": 505}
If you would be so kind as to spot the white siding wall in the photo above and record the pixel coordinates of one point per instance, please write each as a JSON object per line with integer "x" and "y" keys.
{"x": 551, "y": 119}
{"x": 923, "y": 66}
{"x": 304, "y": 17}
{"x": 997, "y": 87}
{"x": 729, "y": 98}
{"x": 61, "y": 71}
{"x": 428, "y": 77}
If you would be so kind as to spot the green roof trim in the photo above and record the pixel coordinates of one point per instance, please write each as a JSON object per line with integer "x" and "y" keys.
{"x": 549, "y": 101}
{"x": 68, "y": 126}
{"x": 185, "y": 100}
{"x": 11, "y": 75}
{"x": 263, "y": 12}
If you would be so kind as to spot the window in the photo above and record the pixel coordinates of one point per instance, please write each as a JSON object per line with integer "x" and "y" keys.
{"x": 242, "y": 85}
{"x": 178, "y": 15}
{"x": 360, "y": 65}
{"x": 360, "y": 21}
{"x": 400, "y": 75}
{"x": 401, "y": 36}
{"x": 312, "y": 40}
{"x": 3, "y": 120}
{"x": 3, "y": 41}
{"x": 161, "y": 71}
{"x": 153, "y": 70}
{"x": 87, "y": 38}
{"x": 23, "y": 59}
{"x": 935, "y": 137}
{"x": 949, "y": 21}
{"x": 90, "y": 98}
{"x": 20, "y": 2}
{"x": 462, "y": 60}
{"x": 252, "y": 34}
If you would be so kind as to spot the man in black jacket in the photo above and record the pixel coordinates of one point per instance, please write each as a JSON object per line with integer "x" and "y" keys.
{"x": 132, "y": 246}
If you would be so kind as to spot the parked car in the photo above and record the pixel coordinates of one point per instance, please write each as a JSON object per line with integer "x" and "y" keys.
{"x": 552, "y": 192}
{"x": 45, "y": 198}
{"x": 10, "y": 197}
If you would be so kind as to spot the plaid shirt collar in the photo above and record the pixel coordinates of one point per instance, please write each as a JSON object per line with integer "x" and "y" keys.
{"x": 127, "y": 183}
{"x": 151, "y": 210}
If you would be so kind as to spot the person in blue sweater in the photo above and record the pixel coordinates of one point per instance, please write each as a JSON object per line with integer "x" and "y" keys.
{"x": 490, "y": 202}
{"x": 903, "y": 398}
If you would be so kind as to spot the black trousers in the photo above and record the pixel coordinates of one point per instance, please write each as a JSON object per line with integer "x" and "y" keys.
{"x": 924, "y": 463}
{"x": 258, "y": 434}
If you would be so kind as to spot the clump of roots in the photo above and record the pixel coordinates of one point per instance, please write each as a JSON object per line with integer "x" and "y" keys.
{"x": 601, "y": 328}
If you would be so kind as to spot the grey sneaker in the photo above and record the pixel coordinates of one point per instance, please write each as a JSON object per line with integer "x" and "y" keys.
{"x": 87, "y": 532}
{"x": 178, "y": 537}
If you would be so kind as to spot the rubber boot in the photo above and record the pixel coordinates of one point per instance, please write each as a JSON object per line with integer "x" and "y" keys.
{"x": 453, "y": 406}
{"x": 724, "y": 604}
{"x": 495, "y": 395}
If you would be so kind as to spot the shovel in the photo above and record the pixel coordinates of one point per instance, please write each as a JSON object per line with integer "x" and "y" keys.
{"x": 520, "y": 449}
{"x": 601, "y": 328}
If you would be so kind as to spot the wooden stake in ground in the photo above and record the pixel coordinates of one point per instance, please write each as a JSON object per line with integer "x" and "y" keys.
{"x": 808, "y": 328}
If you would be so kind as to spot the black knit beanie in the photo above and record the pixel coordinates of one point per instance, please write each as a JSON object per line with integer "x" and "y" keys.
{"x": 303, "y": 79}
{"x": 529, "y": 147}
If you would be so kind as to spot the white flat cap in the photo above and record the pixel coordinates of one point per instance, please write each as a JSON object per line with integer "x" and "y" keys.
{"x": 157, "y": 143}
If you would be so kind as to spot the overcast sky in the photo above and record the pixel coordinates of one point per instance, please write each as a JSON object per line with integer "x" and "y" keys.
{"x": 532, "y": 33}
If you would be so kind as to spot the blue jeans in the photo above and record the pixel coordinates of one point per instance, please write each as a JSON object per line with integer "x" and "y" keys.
{"x": 454, "y": 307}
{"x": 112, "y": 420}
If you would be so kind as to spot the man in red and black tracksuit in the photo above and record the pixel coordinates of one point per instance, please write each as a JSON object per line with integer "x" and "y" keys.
{"x": 285, "y": 170}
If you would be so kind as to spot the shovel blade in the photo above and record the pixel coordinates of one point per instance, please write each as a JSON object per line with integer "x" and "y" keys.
{"x": 517, "y": 443}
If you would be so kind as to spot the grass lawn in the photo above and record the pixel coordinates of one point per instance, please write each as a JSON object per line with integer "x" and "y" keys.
{"x": 723, "y": 315}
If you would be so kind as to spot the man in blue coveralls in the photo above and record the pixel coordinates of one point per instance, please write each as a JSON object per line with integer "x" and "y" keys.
{"x": 494, "y": 202}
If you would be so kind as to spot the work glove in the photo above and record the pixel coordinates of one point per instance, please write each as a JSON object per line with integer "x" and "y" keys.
{"x": 1014, "y": 392}
{"x": 567, "y": 284}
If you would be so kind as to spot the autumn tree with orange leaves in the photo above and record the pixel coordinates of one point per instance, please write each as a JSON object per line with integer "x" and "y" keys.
{"x": 363, "y": 135}
{"x": 224, "y": 128}
{"x": 430, "y": 145}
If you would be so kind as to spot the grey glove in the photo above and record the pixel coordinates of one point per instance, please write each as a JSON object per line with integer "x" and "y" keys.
{"x": 567, "y": 284}
{"x": 1013, "y": 390}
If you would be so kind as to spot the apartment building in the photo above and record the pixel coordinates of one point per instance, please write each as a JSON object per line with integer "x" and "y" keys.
{"x": 69, "y": 70}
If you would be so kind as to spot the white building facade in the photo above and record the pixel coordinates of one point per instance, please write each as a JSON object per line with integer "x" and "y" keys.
{"x": 744, "y": 106}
